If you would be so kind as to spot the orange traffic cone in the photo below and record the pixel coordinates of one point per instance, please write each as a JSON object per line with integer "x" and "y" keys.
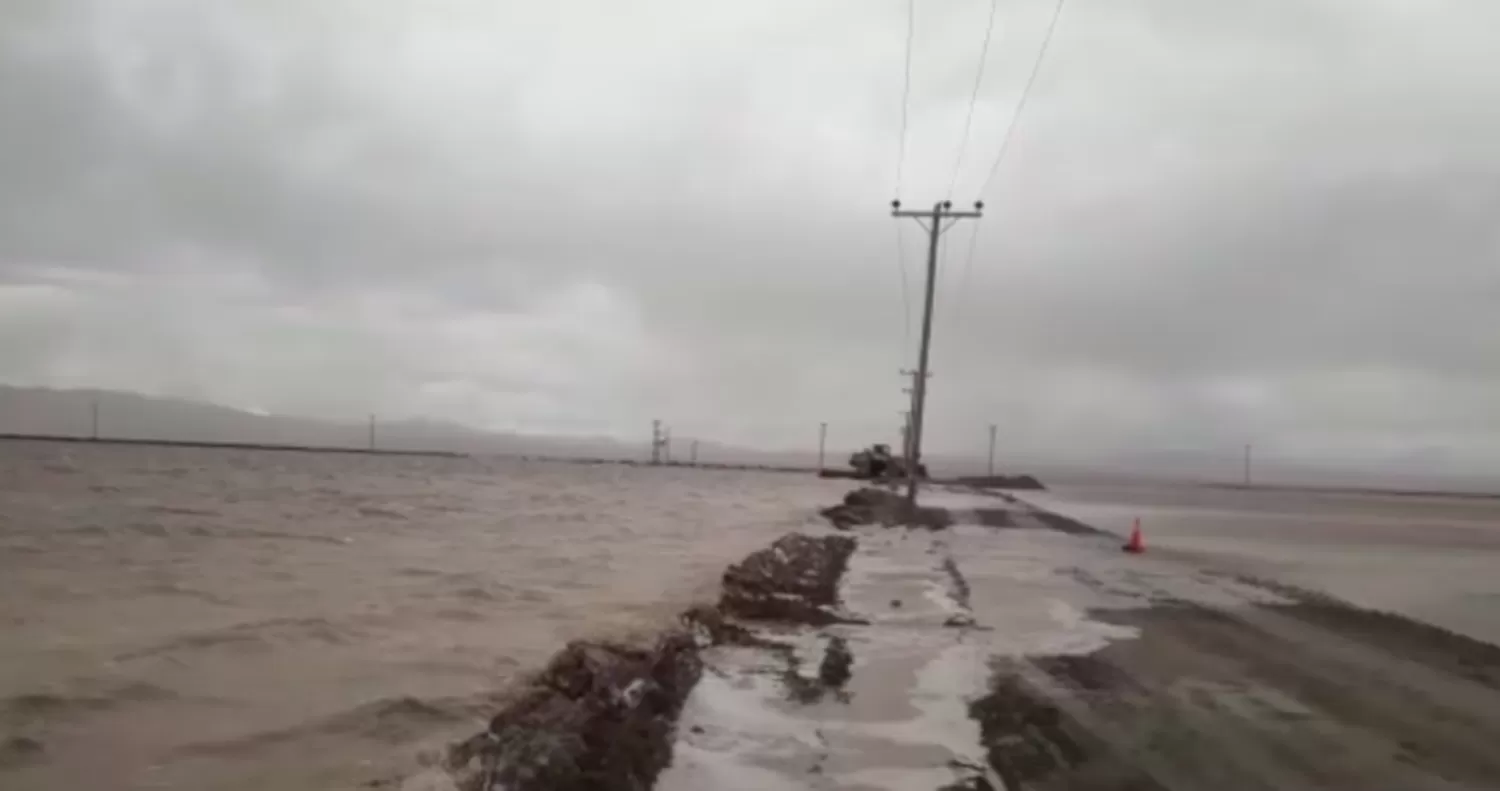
{"x": 1136, "y": 545}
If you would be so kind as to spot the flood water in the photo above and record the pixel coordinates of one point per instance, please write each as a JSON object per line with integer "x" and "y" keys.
{"x": 1433, "y": 558}
{"x": 216, "y": 619}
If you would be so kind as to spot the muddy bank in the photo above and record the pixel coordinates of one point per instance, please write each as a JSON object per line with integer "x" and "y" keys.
{"x": 874, "y": 506}
{"x": 1037, "y": 658}
{"x": 1064, "y": 524}
{"x": 794, "y": 580}
{"x": 1309, "y": 694}
{"x": 1021, "y": 482}
{"x": 602, "y": 716}
{"x": 871, "y": 506}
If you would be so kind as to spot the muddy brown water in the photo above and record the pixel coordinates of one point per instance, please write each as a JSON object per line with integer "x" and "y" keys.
{"x": 216, "y": 619}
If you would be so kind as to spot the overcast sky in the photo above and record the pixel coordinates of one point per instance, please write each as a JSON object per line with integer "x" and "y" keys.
{"x": 1219, "y": 221}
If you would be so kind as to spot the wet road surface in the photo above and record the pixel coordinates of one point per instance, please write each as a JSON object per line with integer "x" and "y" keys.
{"x": 1024, "y": 656}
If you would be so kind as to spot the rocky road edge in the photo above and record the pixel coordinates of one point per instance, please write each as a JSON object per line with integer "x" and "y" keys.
{"x": 601, "y": 716}
{"x": 875, "y": 506}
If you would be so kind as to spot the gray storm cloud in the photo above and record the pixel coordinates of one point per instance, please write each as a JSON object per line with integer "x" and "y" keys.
{"x": 1218, "y": 222}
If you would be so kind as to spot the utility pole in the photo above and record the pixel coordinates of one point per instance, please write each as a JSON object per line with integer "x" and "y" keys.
{"x": 94, "y": 409}
{"x": 822, "y": 442}
{"x": 656, "y": 442}
{"x": 942, "y": 210}
{"x": 909, "y": 411}
{"x": 372, "y": 432}
{"x": 992, "y": 450}
{"x": 1247, "y": 464}
{"x": 905, "y": 433}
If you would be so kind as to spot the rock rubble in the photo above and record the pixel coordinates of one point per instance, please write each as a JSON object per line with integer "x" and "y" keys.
{"x": 601, "y": 716}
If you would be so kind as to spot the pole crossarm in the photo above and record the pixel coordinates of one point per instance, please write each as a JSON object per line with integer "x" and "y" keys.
{"x": 926, "y": 215}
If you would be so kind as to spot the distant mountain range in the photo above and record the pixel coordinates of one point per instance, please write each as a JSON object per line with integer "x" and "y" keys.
{"x": 124, "y": 415}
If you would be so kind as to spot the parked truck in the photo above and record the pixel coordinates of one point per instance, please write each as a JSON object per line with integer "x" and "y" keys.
{"x": 877, "y": 462}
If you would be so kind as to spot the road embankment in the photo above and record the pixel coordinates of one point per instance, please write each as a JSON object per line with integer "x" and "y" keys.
{"x": 1000, "y": 646}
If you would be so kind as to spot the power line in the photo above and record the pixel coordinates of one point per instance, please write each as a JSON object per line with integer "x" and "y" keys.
{"x": 944, "y": 278}
{"x": 984, "y": 54}
{"x": 963, "y": 275}
{"x": 905, "y": 292}
{"x": 1010, "y": 129}
{"x": 911, "y": 24}
{"x": 1036, "y": 67}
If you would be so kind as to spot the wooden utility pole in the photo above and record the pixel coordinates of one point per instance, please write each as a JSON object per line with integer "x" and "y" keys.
{"x": 372, "y": 432}
{"x": 992, "y": 450}
{"x": 822, "y": 442}
{"x": 941, "y": 211}
{"x": 911, "y": 407}
{"x": 905, "y": 433}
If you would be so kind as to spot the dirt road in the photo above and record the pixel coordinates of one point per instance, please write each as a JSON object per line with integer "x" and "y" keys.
{"x": 1305, "y": 694}
{"x": 1033, "y": 654}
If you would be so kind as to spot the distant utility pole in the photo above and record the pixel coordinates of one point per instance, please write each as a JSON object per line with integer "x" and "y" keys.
{"x": 943, "y": 210}
{"x": 905, "y": 433}
{"x": 992, "y": 450}
{"x": 1247, "y": 464}
{"x": 94, "y": 409}
{"x": 372, "y": 432}
{"x": 822, "y": 442}
{"x": 911, "y": 391}
{"x": 656, "y": 442}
